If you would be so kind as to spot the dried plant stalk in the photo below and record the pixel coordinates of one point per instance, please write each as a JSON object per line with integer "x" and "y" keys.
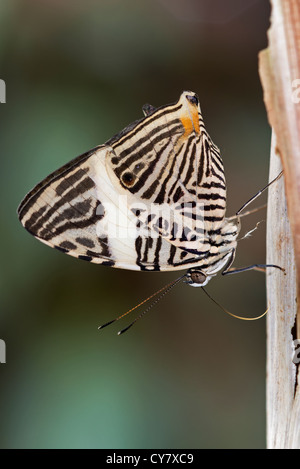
{"x": 281, "y": 289}
{"x": 280, "y": 76}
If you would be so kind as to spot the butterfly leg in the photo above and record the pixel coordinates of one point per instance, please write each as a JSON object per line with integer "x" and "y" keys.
{"x": 258, "y": 267}
{"x": 249, "y": 212}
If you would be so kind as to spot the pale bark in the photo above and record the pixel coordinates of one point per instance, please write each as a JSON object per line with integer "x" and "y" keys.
{"x": 282, "y": 413}
{"x": 280, "y": 75}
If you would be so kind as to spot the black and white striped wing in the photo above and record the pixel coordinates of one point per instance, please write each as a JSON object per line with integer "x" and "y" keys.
{"x": 78, "y": 211}
{"x": 149, "y": 199}
{"x": 168, "y": 162}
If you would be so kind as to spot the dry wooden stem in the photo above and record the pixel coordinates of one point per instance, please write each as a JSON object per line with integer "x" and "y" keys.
{"x": 280, "y": 75}
{"x": 281, "y": 290}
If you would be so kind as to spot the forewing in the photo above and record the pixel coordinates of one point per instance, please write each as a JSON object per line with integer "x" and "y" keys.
{"x": 168, "y": 162}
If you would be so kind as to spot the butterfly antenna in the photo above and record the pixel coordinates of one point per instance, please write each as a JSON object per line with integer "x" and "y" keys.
{"x": 231, "y": 314}
{"x": 238, "y": 213}
{"x": 163, "y": 292}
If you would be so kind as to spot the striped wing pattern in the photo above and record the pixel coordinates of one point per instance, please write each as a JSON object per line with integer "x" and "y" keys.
{"x": 111, "y": 205}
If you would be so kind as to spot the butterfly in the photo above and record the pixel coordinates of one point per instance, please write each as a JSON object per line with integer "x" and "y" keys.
{"x": 152, "y": 198}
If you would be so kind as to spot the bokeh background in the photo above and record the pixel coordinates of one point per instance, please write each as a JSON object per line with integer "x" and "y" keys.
{"x": 187, "y": 375}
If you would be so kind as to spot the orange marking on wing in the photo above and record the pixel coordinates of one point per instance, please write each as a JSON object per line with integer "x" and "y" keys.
{"x": 190, "y": 122}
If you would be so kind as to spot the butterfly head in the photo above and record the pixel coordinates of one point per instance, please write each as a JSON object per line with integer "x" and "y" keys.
{"x": 196, "y": 278}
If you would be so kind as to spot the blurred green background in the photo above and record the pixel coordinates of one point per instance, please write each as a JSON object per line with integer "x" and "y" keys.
{"x": 187, "y": 375}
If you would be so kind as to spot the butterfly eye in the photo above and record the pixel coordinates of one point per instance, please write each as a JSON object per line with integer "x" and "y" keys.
{"x": 128, "y": 179}
{"x": 196, "y": 278}
{"x": 193, "y": 99}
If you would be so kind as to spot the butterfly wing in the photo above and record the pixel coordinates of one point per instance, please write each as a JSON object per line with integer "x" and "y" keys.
{"x": 111, "y": 205}
{"x": 78, "y": 211}
{"x": 168, "y": 162}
